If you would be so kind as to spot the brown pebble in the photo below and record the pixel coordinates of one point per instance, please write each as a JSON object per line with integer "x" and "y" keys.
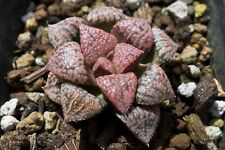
{"x": 204, "y": 95}
{"x": 40, "y": 14}
{"x": 196, "y": 129}
{"x": 180, "y": 109}
{"x": 200, "y": 28}
{"x": 205, "y": 54}
{"x": 17, "y": 74}
{"x": 181, "y": 141}
{"x": 24, "y": 61}
{"x": 32, "y": 123}
{"x": 14, "y": 140}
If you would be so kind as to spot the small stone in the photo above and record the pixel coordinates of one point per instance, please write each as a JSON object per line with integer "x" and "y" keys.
{"x": 204, "y": 95}
{"x": 187, "y": 90}
{"x": 205, "y": 54}
{"x": 44, "y": 36}
{"x": 220, "y": 91}
{"x": 24, "y": 61}
{"x": 179, "y": 9}
{"x": 31, "y": 24}
{"x": 189, "y": 55}
{"x": 180, "y": 109}
{"x": 9, "y": 107}
{"x": 54, "y": 10}
{"x": 216, "y": 122}
{"x": 218, "y": 108}
{"x": 50, "y": 120}
{"x": 14, "y": 140}
{"x": 24, "y": 40}
{"x": 35, "y": 96}
{"x": 200, "y": 9}
{"x": 40, "y": 14}
{"x": 132, "y": 4}
{"x": 181, "y": 141}
{"x": 213, "y": 132}
{"x": 39, "y": 61}
{"x": 32, "y": 123}
{"x": 200, "y": 28}
{"x": 194, "y": 71}
{"x": 196, "y": 129}
{"x": 8, "y": 123}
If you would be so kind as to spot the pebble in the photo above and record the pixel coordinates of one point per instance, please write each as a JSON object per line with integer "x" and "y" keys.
{"x": 24, "y": 61}
{"x": 132, "y": 4}
{"x": 35, "y": 96}
{"x": 44, "y": 36}
{"x": 213, "y": 132}
{"x": 200, "y": 9}
{"x": 196, "y": 129}
{"x": 187, "y": 90}
{"x": 189, "y": 55}
{"x": 54, "y": 10}
{"x": 24, "y": 40}
{"x": 9, "y": 107}
{"x": 205, "y": 54}
{"x": 40, "y": 14}
{"x": 32, "y": 123}
{"x": 31, "y": 24}
{"x": 14, "y": 140}
{"x": 181, "y": 141}
{"x": 50, "y": 120}
{"x": 200, "y": 28}
{"x": 180, "y": 109}
{"x": 217, "y": 122}
{"x": 39, "y": 61}
{"x": 194, "y": 71}
{"x": 179, "y": 9}
{"x": 218, "y": 108}
{"x": 8, "y": 123}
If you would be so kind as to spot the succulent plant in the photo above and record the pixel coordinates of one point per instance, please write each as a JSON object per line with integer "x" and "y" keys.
{"x": 110, "y": 62}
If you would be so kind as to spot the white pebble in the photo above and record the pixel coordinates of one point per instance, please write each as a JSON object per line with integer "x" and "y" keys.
{"x": 213, "y": 132}
{"x": 218, "y": 108}
{"x": 8, "y": 123}
{"x": 187, "y": 89}
{"x": 9, "y": 107}
{"x": 39, "y": 61}
{"x": 132, "y": 4}
{"x": 195, "y": 71}
{"x": 179, "y": 9}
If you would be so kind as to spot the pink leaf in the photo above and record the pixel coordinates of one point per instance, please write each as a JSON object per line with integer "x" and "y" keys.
{"x": 120, "y": 89}
{"x": 95, "y": 43}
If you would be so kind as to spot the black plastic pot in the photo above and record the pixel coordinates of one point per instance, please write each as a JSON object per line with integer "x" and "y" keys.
{"x": 10, "y": 25}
